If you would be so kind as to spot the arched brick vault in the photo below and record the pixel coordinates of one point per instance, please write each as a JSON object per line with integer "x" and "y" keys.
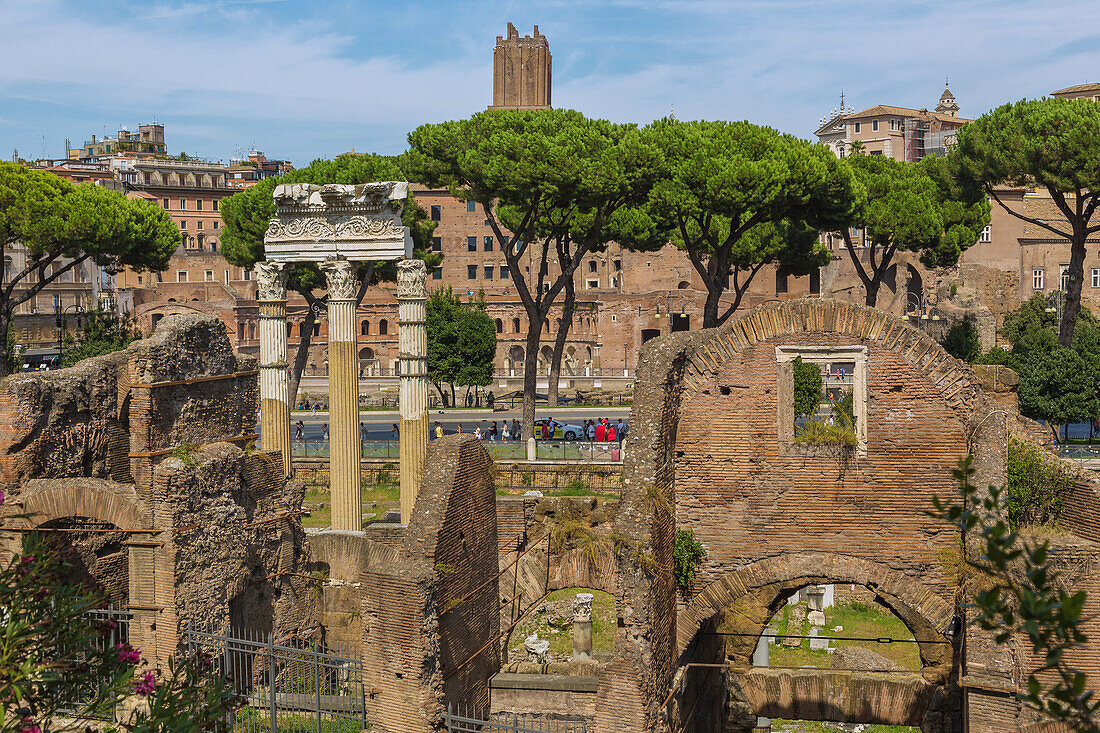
{"x": 676, "y": 371}
{"x": 46, "y": 500}
{"x": 754, "y": 593}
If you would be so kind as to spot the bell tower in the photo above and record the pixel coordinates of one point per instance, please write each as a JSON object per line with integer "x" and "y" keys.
{"x": 521, "y": 71}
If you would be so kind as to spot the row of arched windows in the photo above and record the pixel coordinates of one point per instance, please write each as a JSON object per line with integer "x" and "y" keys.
{"x": 383, "y": 328}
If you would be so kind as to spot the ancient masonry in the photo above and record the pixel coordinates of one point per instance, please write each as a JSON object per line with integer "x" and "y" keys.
{"x": 140, "y": 461}
{"x": 340, "y": 227}
{"x": 713, "y": 453}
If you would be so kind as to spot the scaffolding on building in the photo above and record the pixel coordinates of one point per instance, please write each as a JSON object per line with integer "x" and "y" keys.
{"x": 916, "y": 129}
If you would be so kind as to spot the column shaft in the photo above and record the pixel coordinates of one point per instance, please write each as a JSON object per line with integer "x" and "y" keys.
{"x": 274, "y": 391}
{"x": 412, "y": 298}
{"x": 343, "y": 390}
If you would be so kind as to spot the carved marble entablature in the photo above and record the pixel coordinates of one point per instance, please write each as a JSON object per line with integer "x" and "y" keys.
{"x": 360, "y": 222}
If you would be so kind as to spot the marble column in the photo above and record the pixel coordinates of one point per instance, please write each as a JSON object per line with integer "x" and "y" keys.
{"x": 343, "y": 396}
{"x": 412, "y": 298}
{"x": 274, "y": 392}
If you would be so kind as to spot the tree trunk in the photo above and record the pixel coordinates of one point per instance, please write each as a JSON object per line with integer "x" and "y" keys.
{"x": 567, "y": 307}
{"x": 710, "y": 308}
{"x": 301, "y": 356}
{"x": 530, "y": 374}
{"x": 872, "y": 292}
{"x": 1071, "y": 306}
{"x": 7, "y": 365}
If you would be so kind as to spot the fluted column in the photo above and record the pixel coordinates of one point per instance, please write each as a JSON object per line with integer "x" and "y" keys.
{"x": 412, "y": 298}
{"x": 274, "y": 391}
{"x": 343, "y": 397}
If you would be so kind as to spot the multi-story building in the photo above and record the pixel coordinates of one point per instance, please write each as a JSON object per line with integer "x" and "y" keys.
{"x": 148, "y": 142}
{"x": 900, "y": 133}
{"x": 1079, "y": 91}
{"x": 255, "y": 168}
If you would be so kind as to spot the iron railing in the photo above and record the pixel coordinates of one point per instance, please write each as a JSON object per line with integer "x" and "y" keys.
{"x": 297, "y": 685}
{"x": 500, "y": 450}
{"x": 114, "y": 627}
{"x": 469, "y": 720}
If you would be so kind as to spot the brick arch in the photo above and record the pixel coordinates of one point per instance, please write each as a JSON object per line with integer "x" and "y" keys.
{"x": 47, "y": 500}
{"x": 951, "y": 377}
{"x": 758, "y": 590}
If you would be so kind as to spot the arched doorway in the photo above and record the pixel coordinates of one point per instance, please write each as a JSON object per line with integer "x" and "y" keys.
{"x": 515, "y": 361}
{"x": 368, "y": 362}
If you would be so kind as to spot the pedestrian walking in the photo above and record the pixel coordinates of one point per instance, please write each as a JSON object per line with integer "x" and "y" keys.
{"x": 395, "y": 432}
{"x": 515, "y": 429}
{"x": 610, "y": 433}
{"x": 477, "y": 432}
{"x": 324, "y": 432}
{"x": 298, "y": 428}
{"x": 620, "y": 429}
{"x": 438, "y": 430}
{"x": 460, "y": 428}
{"x": 493, "y": 431}
{"x": 490, "y": 399}
{"x": 601, "y": 432}
{"x": 362, "y": 431}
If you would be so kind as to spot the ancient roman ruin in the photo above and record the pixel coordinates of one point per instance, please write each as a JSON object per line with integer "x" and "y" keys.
{"x": 144, "y": 462}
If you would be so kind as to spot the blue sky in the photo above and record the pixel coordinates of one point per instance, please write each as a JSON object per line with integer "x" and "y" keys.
{"x": 301, "y": 79}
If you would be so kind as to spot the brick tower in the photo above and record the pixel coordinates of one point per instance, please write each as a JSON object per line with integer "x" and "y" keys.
{"x": 521, "y": 71}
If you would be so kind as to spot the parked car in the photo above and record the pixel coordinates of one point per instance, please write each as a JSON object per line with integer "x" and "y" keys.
{"x": 558, "y": 430}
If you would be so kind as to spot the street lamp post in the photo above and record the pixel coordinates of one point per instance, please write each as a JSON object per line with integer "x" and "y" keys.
{"x": 62, "y": 323}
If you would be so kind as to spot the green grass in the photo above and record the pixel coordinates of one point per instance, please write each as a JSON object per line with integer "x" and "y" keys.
{"x": 821, "y": 432}
{"x": 813, "y": 726}
{"x": 254, "y": 720}
{"x": 858, "y": 619}
{"x": 561, "y": 638}
{"x": 379, "y": 499}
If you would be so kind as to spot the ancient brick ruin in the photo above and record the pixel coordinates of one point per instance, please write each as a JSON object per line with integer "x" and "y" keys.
{"x": 712, "y": 452}
{"x": 154, "y": 443}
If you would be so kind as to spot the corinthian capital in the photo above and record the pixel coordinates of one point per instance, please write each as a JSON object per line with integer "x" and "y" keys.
{"x": 412, "y": 279}
{"x": 271, "y": 280}
{"x": 340, "y": 275}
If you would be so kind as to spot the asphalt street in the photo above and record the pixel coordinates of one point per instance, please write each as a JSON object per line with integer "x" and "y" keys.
{"x": 380, "y": 424}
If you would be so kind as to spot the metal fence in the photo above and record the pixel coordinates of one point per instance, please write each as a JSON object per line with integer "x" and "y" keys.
{"x": 500, "y": 450}
{"x": 295, "y": 686}
{"x": 114, "y": 629}
{"x": 593, "y": 451}
{"x": 469, "y": 720}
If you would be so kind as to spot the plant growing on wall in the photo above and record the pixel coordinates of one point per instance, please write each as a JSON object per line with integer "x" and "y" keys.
{"x": 962, "y": 341}
{"x": 807, "y": 387}
{"x": 1036, "y": 486}
{"x": 1023, "y": 596}
{"x": 688, "y": 554}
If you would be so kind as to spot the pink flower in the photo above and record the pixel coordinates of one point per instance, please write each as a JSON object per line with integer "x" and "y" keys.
{"x": 29, "y": 726}
{"x": 146, "y": 684}
{"x": 1, "y": 497}
{"x": 127, "y": 654}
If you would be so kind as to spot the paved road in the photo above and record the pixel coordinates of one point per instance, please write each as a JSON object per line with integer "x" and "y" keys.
{"x": 380, "y": 424}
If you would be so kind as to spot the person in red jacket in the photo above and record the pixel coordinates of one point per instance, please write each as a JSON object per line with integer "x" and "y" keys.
{"x": 601, "y": 432}
{"x": 610, "y": 433}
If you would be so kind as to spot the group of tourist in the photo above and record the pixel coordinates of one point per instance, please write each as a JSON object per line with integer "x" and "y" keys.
{"x": 603, "y": 430}
{"x": 486, "y": 431}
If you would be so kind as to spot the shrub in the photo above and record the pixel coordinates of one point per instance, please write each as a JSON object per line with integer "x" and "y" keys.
{"x": 688, "y": 554}
{"x": 1036, "y": 485}
{"x": 962, "y": 341}
{"x": 807, "y": 387}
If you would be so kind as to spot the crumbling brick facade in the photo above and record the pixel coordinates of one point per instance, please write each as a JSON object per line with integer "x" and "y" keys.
{"x": 707, "y": 455}
{"x": 154, "y": 441}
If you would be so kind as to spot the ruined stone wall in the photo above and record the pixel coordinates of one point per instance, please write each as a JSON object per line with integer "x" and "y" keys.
{"x": 430, "y": 618}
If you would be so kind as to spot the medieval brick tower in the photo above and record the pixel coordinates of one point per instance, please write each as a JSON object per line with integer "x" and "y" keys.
{"x": 521, "y": 71}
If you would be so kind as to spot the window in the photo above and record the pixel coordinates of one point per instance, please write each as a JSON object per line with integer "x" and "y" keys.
{"x": 201, "y": 241}
{"x": 316, "y": 329}
{"x": 198, "y": 224}
{"x": 1063, "y": 278}
{"x": 215, "y": 224}
{"x": 246, "y": 274}
{"x": 437, "y": 273}
{"x": 844, "y": 371}
{"x": 383, "y": 327}
{"x": 500, "y": 326}
{"x": 488, "y": 244}
{"x": 591, "y": 284}
{"x": 857, "y": 127}
{"x": 1037, "y": 278}
{"x": 874, "y": 125}
{"x": 780, "y": 282}
{"x": 183, "y": 204}
{"x": 437, "y": 213}
{"x": 876, "y": 152}
{"x": 364, "y": 328}
{"x": 437, "y": 244}
{"x": 471, "y": 244}
{"x": 618, "y": 265}
{"x": 815, "y": 282}
{"x": 198, "y": 205}
{"x": 208, "y": 276}
{"x": 139, "y": 279}
{"x": 515, "y": 325}
{"x": 614, "y": 282}
{"x": 471, "y": 205}
{"x": 1096, "y": 277}
{"x": 592, "y": 265}
{"x": 215, "y": 209}
{"x": 166, "y": 204}
{"x": 488, "y": 270}
{"x": 471, "y": 272}
{"x": 183, "y": 225}
{"x": 987, "y": 234}
{"x": 505, "y": 273}
{"x": 227, "y": 276}
{"x": 181, "y": 276}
